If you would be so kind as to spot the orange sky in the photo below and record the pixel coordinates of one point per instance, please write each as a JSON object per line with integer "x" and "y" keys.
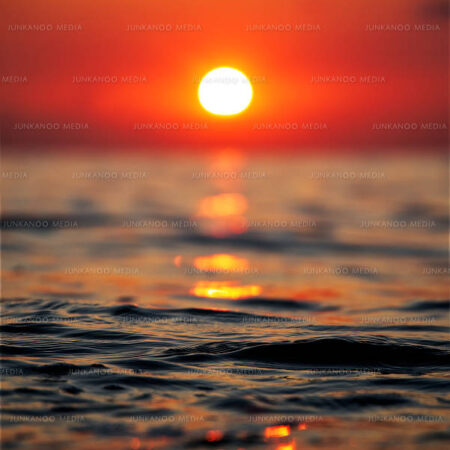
{"x": 265, "y": 39}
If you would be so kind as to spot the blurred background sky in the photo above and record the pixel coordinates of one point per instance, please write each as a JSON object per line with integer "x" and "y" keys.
{"x": 326, "y": 74}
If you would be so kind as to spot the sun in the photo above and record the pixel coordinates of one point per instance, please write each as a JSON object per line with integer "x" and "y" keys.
{"x": 225, "y": 91}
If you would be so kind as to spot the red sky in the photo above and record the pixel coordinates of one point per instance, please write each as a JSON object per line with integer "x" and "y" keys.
{"x": 401, "y": 44}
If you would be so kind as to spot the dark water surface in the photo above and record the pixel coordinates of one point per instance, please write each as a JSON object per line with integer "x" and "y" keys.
{"x": 225, "y": 303}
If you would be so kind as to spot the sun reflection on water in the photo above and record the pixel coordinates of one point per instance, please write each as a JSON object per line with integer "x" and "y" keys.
{"x": 223, "y": 289}
{"x": 221, "y": 263}
{"x": 277, "y": 431}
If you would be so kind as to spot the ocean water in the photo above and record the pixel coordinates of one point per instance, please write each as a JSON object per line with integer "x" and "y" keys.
{"x": 225, "y": 302}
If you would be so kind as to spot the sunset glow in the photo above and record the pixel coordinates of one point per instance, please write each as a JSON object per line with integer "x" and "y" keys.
{"x": 224, "y": 225}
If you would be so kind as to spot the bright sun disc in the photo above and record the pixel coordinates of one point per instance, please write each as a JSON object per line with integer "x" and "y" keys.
{"x": 225, "y": 91}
